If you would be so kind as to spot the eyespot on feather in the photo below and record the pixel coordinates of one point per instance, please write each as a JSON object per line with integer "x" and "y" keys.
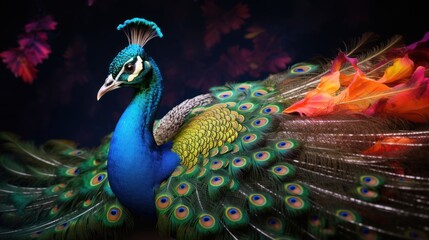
{"x": 257, "y": 199}
{"x": 367, "y": 234}
{"x": 163, "y": 201}
{"x": 295, "y": 202}
{"x": 98, "y": 179}
{"x": 294, "y": 189}
{"x": 285, "y": 144}
{"x": 370, "y": 180}
{"x": 183, "y": 189}
{"x": 302, "y": 69}
{"x": 182, "y": 212}
{"x": 260, "y": 122}
{"x": 243, "y": 87}
{"x": 270, "y": 109}
{"x": 316, "y": 221}
{"x": 206, "y": 221}
{"x": 217, "y": 181}
{"x": 68, "y": 195}
{"x": 61, "y": 227}
{"x": 248, "y": 138}
{"x": 262, "y": 156}
{"x": 74, "y": 171}
{"x": 347, "y": 215}
{"x": 54, "y": 210}
{"x": 366, "y": 193}
{"x": 274, "y": 224}
{"x": 216, "y": 164}
{"x": 87, "y": 203}
{"x": 239, "y": 162}
{"x": 224, "y": 95}
{"x": 233, "y": 214}
{"x": 246, "y": 107}
{"x": 259, "y": 93}
{"x": 114, "y": 214}
{"x": 282, "y": 170}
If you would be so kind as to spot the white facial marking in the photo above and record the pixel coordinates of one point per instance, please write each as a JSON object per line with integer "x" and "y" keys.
{"x": 137, "y": 69}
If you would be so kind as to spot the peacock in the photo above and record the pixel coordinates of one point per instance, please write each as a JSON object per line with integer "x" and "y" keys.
{"x": 329, "y": 149}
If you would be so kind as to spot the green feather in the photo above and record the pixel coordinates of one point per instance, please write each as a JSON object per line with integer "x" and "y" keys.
{"x": 235, "y": 217}
{"x": 207, "y": 224}
{"x": 282, "y": 171}
{"x": 216, "y": 185}
{"x": 259, "y": 202}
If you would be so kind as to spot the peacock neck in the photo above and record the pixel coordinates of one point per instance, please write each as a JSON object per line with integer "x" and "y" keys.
{"x": 136, "y": 165}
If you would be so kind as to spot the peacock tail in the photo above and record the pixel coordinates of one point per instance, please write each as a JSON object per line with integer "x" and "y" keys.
{"x": 320, "y": 151}
{"x": 57, "y": 192}
{"x": 329, "y": 149}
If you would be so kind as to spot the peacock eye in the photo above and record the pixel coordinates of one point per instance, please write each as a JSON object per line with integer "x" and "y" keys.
{"x": 129, "y": 67}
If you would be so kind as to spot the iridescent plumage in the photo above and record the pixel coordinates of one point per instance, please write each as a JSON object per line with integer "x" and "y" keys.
{"x": 324, "y": 150}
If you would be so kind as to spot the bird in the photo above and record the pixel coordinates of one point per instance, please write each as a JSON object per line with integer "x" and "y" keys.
{"x": 328, "y": 149}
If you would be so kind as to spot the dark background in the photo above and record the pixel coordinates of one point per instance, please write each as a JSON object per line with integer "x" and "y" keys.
{"x": 61, "y": 102}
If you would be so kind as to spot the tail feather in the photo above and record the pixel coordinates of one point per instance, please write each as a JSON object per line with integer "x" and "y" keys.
{"x": 324, "y": 150}
{"x": 339, "y": 172}
{"x": 57, "y": 191}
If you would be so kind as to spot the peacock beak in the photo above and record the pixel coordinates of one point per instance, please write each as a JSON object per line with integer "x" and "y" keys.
{"x": 109, "y": 85}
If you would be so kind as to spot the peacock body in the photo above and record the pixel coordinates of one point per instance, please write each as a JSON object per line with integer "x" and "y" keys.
{"x": 325, "y": 150}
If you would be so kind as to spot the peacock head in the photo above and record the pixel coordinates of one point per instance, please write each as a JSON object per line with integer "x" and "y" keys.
{"x": 132, "y": 65}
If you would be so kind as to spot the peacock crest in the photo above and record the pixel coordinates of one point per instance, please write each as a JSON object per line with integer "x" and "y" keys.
{"x": 139, "y": 31}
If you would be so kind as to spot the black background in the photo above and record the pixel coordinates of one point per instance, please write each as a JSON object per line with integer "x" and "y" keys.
{"x": 56, "y": 105}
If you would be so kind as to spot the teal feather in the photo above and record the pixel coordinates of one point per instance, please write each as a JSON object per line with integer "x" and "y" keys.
{"x": 269, "y": 175}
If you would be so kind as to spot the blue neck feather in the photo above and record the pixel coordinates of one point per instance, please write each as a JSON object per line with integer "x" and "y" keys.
{"x": 136, "y": 165}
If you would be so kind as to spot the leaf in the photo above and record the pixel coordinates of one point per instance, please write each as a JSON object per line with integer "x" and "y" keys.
{"x": 254, "y": 32}
{"x": 220, "y": 21}
{"x": 267, "y": 55}
{"x": 419, "y": 51}
{"x": 90, "y": 2}
{"x": 211, "y": 37}
{"x": 208, "y": 75}
{"x": 235, "y": 61}
{"x": 401, "y": 68}
{"x": 317, "y": 104}
{"x": 277, "y": 62}
{"x": 44, "y": 24}
{"x": 16, "y": 60}
{"x": 390, "y": 146}
{"x": 360, "y": 94}
{"x": 329, "y": 83}
{"x": 239, "y": 13}
{"x": 422, "y": 41}
{"x": 35, "y": 47}
{"x": 411, "y": 102}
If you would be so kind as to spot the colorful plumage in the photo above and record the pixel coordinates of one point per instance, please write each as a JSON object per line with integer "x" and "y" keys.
{"x": 325, "y": 150}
